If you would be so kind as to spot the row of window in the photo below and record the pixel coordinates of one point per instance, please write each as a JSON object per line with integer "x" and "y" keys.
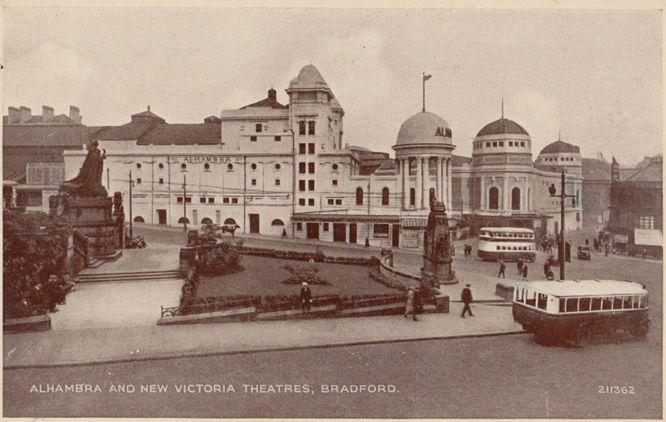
{"x": 515, "y": 248}
{"x": 585, "y": 304}
{"x": 310, "y": 127}
{"x": 277, "y": 138}
{"x": 306, "y": 148}
{"x": 496, "y": 144}
{"x": 310, "y": 202}
{"x": 507, "y": 235}
{"x": 561, "y": 159}
{"x": 379, "y": 230}
{"x": 301, "y": 185}
{"x": 204, "y": 200}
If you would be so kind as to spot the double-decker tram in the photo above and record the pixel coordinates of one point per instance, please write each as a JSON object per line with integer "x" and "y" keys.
{"x": 506, "y": 243}
{"x": 572, "y": 311}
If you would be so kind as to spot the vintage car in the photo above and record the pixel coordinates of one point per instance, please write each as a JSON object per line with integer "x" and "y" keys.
{"x": 584, "y": 253}
{"x": 572, "y": 311}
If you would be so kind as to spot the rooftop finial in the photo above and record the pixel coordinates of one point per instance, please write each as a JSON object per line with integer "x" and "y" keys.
{"x": 148, "y": 108}
{"x": 502, "y": 107}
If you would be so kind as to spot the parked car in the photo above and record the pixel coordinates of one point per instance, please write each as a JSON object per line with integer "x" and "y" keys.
{"x": 584, "y": 253}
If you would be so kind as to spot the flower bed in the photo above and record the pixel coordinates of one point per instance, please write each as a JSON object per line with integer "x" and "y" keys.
{"x": 317, "y": 256}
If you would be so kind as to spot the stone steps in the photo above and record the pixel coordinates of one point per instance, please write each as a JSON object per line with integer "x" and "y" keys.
{"x": 128, "y": 276}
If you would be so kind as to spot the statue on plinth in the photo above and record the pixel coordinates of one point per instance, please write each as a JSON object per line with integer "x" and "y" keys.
{"x": 437, "y": 257}
{"x": 89, "y": 180}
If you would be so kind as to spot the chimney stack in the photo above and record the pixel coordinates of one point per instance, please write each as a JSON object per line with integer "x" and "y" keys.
{"x": 24, "y": 115}
{"x": 47, "y": 114}
{"x": 13, "y": 115}
{"x": 74, "y": 114}
{"x": 272, "y": 94}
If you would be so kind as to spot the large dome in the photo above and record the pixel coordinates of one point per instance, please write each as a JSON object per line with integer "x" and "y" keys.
{"x": 502, "y": 127}
{"x": 424, "y": 128}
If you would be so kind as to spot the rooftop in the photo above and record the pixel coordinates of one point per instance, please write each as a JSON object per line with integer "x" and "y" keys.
{"x": 586, "y": 287}
{"x": 309, "y": 78}
{"x": 560, "y": 146}
{"x": 502, "y": 126}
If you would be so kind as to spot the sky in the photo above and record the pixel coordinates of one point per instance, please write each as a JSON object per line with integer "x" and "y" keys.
{"x": 594, "y": 76}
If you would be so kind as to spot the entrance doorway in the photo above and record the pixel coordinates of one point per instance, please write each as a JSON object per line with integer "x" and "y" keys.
{"x": 352, "y": 233}
{"x": 312, "y": 230}
{"x": 161, "y": 217}
{"x": 254, "y": 223}
{"x": 395, "y": 236}
{"x": 339, "y": 232}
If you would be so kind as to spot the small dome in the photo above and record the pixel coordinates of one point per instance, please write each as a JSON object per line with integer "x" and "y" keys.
{"x": 501, "y": 127}
{"x": 308, "y": 78}
{"x": 424, "y": 128}
{"x": 560, "y": 147}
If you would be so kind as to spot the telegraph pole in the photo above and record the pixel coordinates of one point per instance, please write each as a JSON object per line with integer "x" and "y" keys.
{"x": 562, "y": 195}
{"x": 131, "y": 183}
{"x": 185, "y": 202}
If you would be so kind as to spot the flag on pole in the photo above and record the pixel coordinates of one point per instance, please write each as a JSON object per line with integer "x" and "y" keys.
{"x": 426, "y": 77}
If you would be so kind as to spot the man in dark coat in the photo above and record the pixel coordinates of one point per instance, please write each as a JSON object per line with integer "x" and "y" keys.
{"x": 502, "y": 270}
{"x": 519, "y": 265}
{"x": 466, "y": 297}
{"x": 546, "y": 268}
{"x": 524, "y": 272}
{"x": 306, "y": 297}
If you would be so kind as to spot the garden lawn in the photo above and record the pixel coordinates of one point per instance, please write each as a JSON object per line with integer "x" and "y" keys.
{"x": 264, "y": 276}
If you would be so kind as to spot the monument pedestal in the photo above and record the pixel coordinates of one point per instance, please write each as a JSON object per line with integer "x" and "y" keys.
{"x": 437, "y": 256}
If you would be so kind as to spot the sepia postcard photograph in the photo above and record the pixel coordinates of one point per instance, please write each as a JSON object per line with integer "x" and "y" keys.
{"x": 372, "y": 210}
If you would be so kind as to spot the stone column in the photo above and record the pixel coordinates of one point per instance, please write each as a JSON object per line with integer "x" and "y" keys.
{"x": 405, "y": 183}
{"x": 440, "y": 179}
{"x": 425, "y": 177}
{"x": 482, "y": 205}
{"x": 449, "y": 182}
{"x": 419, "y": 182}
{"x": 505, "y": 193}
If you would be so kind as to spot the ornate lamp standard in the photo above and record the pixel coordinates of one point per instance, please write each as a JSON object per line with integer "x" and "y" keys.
{"x": 562, "y": 195}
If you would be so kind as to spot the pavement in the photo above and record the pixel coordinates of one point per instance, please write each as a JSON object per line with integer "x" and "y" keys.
{"x": 126, "y": 344}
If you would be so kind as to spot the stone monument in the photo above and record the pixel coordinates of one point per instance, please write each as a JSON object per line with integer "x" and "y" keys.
{"x": 84, "y": 203}
{"x": 437, "y": 248}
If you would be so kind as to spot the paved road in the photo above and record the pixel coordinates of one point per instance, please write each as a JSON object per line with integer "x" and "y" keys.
{"x": 499, "y": 377}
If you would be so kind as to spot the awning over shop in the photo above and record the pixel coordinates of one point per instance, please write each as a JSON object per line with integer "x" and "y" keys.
{"x": 414, "y": 222}
{"x": 647, "y": 237}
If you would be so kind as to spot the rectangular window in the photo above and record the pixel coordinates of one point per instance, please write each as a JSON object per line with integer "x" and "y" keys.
{"x": 301, "y": 168}
{"x": 330, "y": 201}
{"x": 202, "y": 200}
{"x": 301, "y": 148}
{"x": 311, "y": 168}
{"x": 258, "y": 127}
{"x": 301, "y": 185}
{"x": 487, "y": 144}
{"x": 510, "y": 143}
{"x": 253, "y": 138}
{"x": 596, "y": 304}
{"x": 311, "y": 185}
{"x": 628, "y": 302}
{"x": 335, "y": 182}
{"x": 299, "y": 226}
{"x": 607, "y": 303}
{"x": 225, "y": 200}
{"x": 211, "y": 200}
{"x": 380, "y": 230}
{"x": 301, "y": 201}
{"x": 218, "y": 217}
{"x": 301, "y": 128}
{"x": 543, "y": 301}
{"x": 138, "y": 181}
{"x": 188, "y": 200}
{"x": 179, "y": 199}
{"x": 494, "y": 144}
{"x": 254, "y": 182}
{"x": 522, "y": 143}
{"x": 311, "y": 148}
{"x": 277, "y": 182}
{"x": 195, "y": 217}
{"x": 531, "y": 301}
{"x": 311, "y": 128}
{"x": 636, "y": 299}
{"x": 277, "y": 138}
{"x": 311, "y": 202}
{"x": 572, "y": 304}
{"x": 338, "y": 202}
{"x": 646, "y": 222}
{"x": 501, "y": 144}
{"x": 325, "y": 228}
{"x": 617, "y": 302}
{"x": 584, "y": 304}
{"x": 234, "y": 200}
{"x": 161, "y": 182}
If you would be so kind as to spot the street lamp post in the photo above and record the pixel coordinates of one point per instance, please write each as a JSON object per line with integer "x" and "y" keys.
{"x": 562, "y": 195}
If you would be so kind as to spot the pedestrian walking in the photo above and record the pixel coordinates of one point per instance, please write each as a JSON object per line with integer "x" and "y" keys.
{"x": 644, "y": 254}
{"x": 466, "y": 297}
{"x": 502, "y": 270}
{"x": 587, "y": 242}
{"x": 525, "y": 272}
{"x": 546, "y": 268}
{"x": 519, "y": 265}
{"x": 409, "y": 306}
{"x": 306, "y": 297}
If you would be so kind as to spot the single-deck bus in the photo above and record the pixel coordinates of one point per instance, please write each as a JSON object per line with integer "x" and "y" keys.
{"x": 506, "y": 243}
{"x": 571, "y": 311}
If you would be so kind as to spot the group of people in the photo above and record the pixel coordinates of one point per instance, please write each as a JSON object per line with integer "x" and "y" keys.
{"x": 45, "y": 295}
{"x": 467, "y": 248}
{"x": 521, "y": 265}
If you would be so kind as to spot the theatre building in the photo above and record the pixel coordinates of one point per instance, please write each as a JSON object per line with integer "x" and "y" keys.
{"x": 274, "y": 168}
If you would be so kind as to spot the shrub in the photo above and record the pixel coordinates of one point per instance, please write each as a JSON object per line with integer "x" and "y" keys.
{"x": 222, "y": 258}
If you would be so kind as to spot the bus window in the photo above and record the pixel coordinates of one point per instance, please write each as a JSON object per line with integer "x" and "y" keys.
{"x": 572, "y": 304}
{"x": 531, "y": 302}
{"x": 636, "y": 301}
{"x": 628, "y": 302}
{"x": 596, "y": 303}
{"x": 543, "y": 300}
{"x": 562, "y": 300}
{"x": 644, "y": 302}
{"x": 584, "y": 304}
{"x": 607, "y": 303}
{"x": 617, "y": 302}
{"x": 498, "y": 248}
{"x": 520, "y": 295}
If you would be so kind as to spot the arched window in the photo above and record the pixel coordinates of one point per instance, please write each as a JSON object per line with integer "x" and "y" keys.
{"x": 359, "y": 196}
{"x": 229, "y": 221}
{"x": 493, "y": 198}
{"x": 206, "y": 220}
{"x": 515, "y": 198}
{"x": 139, "y": 219}
{"x": 412, "y": 196}
{"x": 182, "y": 220}
{"x": 385, "y": 196}
{"x": 431, "y": 195}
{"x": 277, "y": 222}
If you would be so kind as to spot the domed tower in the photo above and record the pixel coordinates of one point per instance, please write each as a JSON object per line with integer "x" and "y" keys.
{"x": 423, "y": 154}
{"x": 501, "y": 164}
{"x": 561, "y": 155}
